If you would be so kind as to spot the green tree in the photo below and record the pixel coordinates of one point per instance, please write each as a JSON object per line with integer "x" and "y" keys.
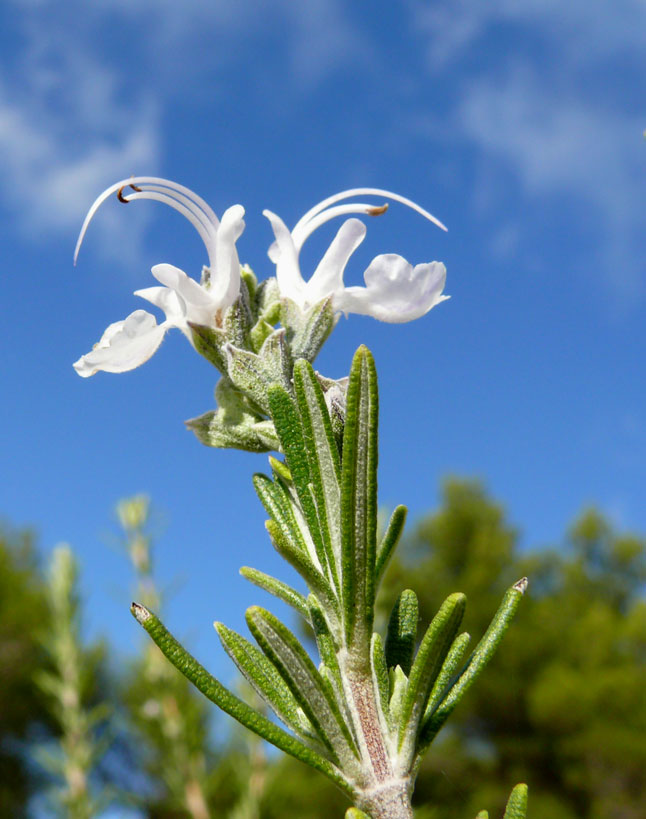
{"x": 76, "y": 694}
{"x": 22, "y": 712}
{"x": 170, "y": 721}
{"x": 562, "y": 707}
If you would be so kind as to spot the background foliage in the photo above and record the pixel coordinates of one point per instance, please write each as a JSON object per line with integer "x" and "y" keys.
{"x": 561, "y": 706}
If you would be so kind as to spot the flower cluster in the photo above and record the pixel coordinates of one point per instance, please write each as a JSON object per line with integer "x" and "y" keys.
{"x": 395, "y": 291}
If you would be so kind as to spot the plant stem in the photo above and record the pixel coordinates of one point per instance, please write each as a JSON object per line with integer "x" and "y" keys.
{"x": 383, "y": 795}
{"x": 388, "y": 800}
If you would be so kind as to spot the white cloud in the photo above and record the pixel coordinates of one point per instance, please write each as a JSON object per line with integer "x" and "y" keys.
{"x": 584, "y": 30}
{"x": 67, "y": 129}
{"x": 546, "y": 93}
{"x": 70, "y": 123}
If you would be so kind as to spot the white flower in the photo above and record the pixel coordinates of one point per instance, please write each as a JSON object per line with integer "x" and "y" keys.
{"x": 395, "y": 291}
{"x": 127, "y": 344}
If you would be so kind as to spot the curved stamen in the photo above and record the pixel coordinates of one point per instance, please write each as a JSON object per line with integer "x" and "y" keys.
{"x": 304, "y": 230}
{"x": 151, "y": 182}
{"x": 363, "y": 192}
{"x": 207, "y": 233}
{"x": 197, "y": 211}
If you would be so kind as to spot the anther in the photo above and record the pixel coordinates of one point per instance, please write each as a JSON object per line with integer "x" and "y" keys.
{"x": 120, "y": 195}
{"x": 377, "y": 211}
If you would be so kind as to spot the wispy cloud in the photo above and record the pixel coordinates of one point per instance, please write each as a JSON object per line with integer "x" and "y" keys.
{"x": 67, "y": 127}
{"x": 69, "y": 118}
{"x": 549, "y": 94}
{"x": 583, "y": 31}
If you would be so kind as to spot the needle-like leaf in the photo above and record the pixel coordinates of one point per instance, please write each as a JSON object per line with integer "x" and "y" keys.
{"x": 324, "y": 462}
{"x": 279, "y": 589}
{"x": 517, "y": 804}
{"x": 402, "y": 631}
{"x": 428, "y": 662}
{"x": 290, "y": 431}
{"x": 232, "y": 705}
{"x": 265, "y": 679}
{"x": 306, "y": 684}
{"x": 483, "y": 652}
{"x": 359, "y": 500}
{"x": 390, "y": 540}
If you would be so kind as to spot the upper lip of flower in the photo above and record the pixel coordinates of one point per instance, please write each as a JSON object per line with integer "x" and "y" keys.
{"x": 327, "y": 280}
{"x": 182, "y": 299}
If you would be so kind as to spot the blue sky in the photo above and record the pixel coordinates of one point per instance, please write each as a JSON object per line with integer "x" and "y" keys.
{"x": 518, "y": 123}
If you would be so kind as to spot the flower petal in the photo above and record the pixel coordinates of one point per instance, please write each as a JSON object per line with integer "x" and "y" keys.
{"x": 200, "y": 306}
{"x": 284, "y": 255}
{"x": 124, "y": 345}
{"x": 167, "y": 300}
{"x": 395, "y": 291}
{"x": 225, "y": 280}
{"x": 328, "y": 276}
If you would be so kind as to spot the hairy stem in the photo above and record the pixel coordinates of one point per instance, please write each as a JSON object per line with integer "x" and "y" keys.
{"x": 382, "y": 794}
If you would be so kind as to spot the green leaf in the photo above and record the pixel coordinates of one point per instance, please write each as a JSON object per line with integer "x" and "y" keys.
{"x": 359, "y": 499}
{"x": 380, "y": 679}
{"x": 290, "y": 431}
{"x": 398, "y": 687}
{"x": 478, "y": 661}
{"x": 483, "y": 814}
{"x": 325, "y": 643}
{"x": 302, "y": 562}
{"x": 449, "y": 670}
{"x": 259, "y": 332}
{"x": 279, "y": 508}
{"x": 279, "y": 589}
{"x": 268, "y": 301}
{"x": 265, "y": 680}
{"x": 251, "y": 282}
{"x": 232, "y": 705}
{"x": 280, "y": 470}
{"x": 402, "y": 631}
{"x": 355, "y": 813}
{"x": 390, "y": 540}
{"x": 517, "y": 804}
{"x": 305, "y": 682}
{"x": 428, "y": 662}
{"x": 323, "y": 458}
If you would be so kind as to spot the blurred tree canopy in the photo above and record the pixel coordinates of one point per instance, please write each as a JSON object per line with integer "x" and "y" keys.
{"x": 562, "y": 705}
{"x": 22, "y": 710}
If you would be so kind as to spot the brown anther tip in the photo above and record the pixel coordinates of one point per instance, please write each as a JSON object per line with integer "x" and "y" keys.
{"x": 120, "y": 195}
{"x": 377, "y": 210}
